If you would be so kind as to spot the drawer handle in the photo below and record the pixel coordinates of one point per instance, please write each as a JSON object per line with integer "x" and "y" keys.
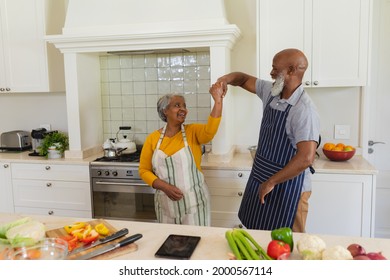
{"x": 51, "y": 212}
{"x": 48, "y": 184}
{"x": 240, "y": 226}
{"x": 240, "y": 174}
{"x": 239, "y": 193}
{"x": 6, "y": 165}
{"x": 47, "y": 167}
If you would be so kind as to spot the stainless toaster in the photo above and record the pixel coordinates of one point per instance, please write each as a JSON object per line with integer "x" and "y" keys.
{"x": 16, "y": 140}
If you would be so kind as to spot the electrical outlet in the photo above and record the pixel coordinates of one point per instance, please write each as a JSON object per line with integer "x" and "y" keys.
{"x": 342, "y": 131}
{"x": 47, "y": 126}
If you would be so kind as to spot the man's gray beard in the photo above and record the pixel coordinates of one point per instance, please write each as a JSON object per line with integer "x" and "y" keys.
{"x": 277, "y": 87}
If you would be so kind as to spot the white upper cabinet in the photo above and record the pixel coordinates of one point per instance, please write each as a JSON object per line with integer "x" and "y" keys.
{"x": 27, "y": 63}
{"x": 334, "y": 35}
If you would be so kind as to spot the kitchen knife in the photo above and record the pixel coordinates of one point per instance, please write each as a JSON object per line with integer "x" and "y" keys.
{"x": 110, "y": 247}
{"x": 100, "y": 241}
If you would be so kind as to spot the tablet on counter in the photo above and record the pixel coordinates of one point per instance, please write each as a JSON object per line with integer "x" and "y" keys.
{"x": 178, "y": 247}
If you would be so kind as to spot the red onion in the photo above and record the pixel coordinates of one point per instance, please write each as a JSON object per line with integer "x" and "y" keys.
{"x": 356, "y": 250}
{"x": 376, "y": 256}
{"x": 361, "y": 257}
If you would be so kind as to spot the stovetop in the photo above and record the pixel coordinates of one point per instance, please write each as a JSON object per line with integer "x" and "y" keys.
{"x": 134, "y": 157}
{"x": 123, "y": 159}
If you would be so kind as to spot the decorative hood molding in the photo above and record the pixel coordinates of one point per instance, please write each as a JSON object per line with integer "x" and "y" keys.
{"x": 116, "y": 25}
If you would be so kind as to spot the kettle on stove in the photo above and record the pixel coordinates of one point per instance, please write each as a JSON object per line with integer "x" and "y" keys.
{"x": 125, "y": 142}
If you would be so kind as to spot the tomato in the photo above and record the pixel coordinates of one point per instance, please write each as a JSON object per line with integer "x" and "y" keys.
{"x": 276, "y": 248}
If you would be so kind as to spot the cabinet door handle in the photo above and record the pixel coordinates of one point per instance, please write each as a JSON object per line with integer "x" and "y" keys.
{"x": 47, "y": 167}
{"x": 307, "y": 83}
{"x": 316, "y": 83}
{"x": 372, "y": 143}
{"x": 7, "y": 89}
{"x": 51, "y": 212}
{"x": 48, "y": 185}
{"x": 6, "y": 165}
{"x": 2, "y": 89}
{"x": 240, "y": 226}
{"x": 239, "y": 193}
{"x": 240, "y": 174}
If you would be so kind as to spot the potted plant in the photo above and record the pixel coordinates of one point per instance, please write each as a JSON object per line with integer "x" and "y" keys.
{"x": 54, "y": 144}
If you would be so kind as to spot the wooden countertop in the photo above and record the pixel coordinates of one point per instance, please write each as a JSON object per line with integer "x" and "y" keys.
{"x": 212, "y": 246}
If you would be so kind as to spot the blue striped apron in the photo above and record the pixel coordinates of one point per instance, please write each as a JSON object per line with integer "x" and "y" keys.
{"x": 273, "y": 153}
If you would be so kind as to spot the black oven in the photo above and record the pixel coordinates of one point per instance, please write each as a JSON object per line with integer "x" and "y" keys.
{"x": 118, "y": 192}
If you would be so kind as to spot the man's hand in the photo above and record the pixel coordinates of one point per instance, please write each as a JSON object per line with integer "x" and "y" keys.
{"x": 264, "y": 189}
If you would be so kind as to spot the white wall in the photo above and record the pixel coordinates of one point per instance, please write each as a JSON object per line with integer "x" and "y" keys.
{"x": 26, "y": 111}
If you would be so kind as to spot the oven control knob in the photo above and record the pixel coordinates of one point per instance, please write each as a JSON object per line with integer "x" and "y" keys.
{"x": 115, "y": 173}
{"x": 99, "y": 173}
{"x": 106, "y": 173}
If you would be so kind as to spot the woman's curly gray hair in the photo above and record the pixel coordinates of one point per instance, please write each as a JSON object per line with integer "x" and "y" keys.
{"x": 163, "y": 103}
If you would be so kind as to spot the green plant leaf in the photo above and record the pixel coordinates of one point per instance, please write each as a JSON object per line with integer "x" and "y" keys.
{"x": 58, "y": 139}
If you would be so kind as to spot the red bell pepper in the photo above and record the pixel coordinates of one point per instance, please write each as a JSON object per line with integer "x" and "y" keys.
{"x": 90, "y": 236}
{"x": 276, "y": 248}
{"x": 72, "y": 241}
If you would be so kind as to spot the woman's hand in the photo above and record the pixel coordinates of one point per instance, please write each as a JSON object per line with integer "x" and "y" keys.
{"x": 173, "y": 192}
{"x": 216, "y": 91}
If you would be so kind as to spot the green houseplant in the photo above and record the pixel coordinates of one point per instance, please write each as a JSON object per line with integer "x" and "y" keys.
{"x": 54, "y": 141}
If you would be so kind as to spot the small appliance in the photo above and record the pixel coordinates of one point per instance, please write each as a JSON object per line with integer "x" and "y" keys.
{"x": 37, "y": 136}
{"x": 16, "y": 140}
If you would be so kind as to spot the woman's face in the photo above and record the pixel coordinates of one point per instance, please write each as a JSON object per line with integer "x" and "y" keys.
{"x": 176, "y": 111}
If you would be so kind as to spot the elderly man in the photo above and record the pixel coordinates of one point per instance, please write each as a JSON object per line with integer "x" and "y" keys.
{"x": 279, "y": 186}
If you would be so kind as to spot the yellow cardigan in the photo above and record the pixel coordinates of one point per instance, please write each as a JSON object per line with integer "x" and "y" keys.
{"x": 197, "y": 134}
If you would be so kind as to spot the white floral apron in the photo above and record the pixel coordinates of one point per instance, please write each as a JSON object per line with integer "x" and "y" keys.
{"x": 180, "y": 170}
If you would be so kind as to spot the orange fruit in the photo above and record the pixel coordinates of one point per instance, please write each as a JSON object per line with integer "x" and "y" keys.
{"x": 337, "y": 149}
{"x": 328, "y": 146}
{"x": 340, "y": 145}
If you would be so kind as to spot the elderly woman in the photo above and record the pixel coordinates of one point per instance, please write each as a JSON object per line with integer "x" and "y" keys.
{"x": 170, "y": 161}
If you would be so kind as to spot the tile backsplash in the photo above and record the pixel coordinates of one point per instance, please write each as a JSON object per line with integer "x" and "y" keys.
{"x": 132, "y": 83}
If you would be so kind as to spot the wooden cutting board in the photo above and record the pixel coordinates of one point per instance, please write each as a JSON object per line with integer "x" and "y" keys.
{"x": 109, "y": 255}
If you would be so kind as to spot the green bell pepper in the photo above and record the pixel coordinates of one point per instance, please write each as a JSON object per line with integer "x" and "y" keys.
{"x": 284, "y": 234}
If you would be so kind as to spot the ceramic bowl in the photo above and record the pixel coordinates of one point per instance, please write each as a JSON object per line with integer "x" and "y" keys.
{"x": 46, "y": 249}
{"x": 339, "y": 155}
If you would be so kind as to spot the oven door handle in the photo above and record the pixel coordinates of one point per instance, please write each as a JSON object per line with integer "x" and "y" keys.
{"x": 128, "y": 187}
{"x": 125, "y": 184}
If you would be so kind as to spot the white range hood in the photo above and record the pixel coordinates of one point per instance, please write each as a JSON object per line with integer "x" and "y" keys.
{"x": 95, "y": 26}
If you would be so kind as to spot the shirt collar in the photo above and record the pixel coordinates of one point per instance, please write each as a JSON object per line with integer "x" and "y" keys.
{"x": 293, "y": 98}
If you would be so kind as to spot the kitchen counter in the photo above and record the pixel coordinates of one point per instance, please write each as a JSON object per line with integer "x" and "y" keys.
{"x": 244, "y": 161}
{"x": 23, "y": 156}
{"x": 240, "y": 161}
{"x": 212, "y": 246}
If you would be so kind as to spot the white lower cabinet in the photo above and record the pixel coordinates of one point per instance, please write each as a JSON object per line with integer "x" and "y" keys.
{"x": 6, "y": 196}
{"x": 226, "y": 188}
{"x": 52, "y": 189}
{"x": 342, "y": 204}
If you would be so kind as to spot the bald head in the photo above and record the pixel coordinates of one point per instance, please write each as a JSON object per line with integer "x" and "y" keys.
{"x": 293, "y": 59}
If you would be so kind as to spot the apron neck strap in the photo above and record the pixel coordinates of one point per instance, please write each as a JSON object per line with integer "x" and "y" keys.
{"x": 183, "y": 133}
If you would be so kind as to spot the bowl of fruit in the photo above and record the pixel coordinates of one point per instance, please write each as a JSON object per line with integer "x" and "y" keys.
{"x": 338, "y": 152}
